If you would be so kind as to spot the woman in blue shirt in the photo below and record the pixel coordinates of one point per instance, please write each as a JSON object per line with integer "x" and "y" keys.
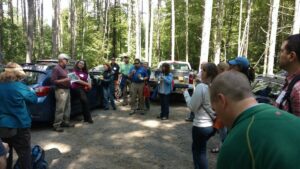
{"x": 14, "y": 116}
{"x": 164, "y": 90}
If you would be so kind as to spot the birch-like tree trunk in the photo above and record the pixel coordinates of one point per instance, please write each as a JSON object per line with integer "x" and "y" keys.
{"x": 55, "y": 28}
{"x": 296, "y": 23}
{"x": 114, "y": 30}
{"x": 73, "y": 29}
{"x": 137, "y": 30}
{"x": 186, "y": 30}
{"x": 206, "y": 32}
{"x": 173, "y": 31}
{"x": 11, "y": 17}
{"x": 240, "y": 27}
{"x": 220, "y": 4}
{"x": 158, "y": 51}
{"x": 30, "y": 31}
{"x": 147, "y": 31}
{"x": 1, "y": 25}
{"x": 247, "y": 28}
{"x": 151, "y": 33}
{"x": 273, "y": 35}
{"x": 267, "y": 46}
{"x": 130, "y": 8}
{"x": 42, "y": 30}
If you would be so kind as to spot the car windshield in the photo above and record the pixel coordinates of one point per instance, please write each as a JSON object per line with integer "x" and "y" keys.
{"x": 33, "y": 77}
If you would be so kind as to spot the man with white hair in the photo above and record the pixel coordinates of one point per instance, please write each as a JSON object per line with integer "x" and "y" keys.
{"x": 62, "y": 94}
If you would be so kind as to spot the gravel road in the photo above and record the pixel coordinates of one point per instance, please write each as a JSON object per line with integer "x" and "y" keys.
{"x": 119, "y": 141}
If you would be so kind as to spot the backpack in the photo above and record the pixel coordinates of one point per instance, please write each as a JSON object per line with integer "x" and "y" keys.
{"x": 37, "y": 159}
{"x": 287, "y": 95}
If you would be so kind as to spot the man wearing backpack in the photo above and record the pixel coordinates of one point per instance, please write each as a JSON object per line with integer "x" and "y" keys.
{"x": 289, "y": 60}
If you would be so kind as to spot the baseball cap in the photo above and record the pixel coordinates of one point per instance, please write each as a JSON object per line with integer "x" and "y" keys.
{"x": 63, "y": 56}
{"x": 240, "y": 60}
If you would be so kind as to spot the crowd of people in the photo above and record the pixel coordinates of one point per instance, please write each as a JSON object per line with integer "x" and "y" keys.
{"x": 252, "y": 134}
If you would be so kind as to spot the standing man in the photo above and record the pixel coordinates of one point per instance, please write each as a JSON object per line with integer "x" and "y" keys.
{"x": 62, "y": 94}
{"x": 115, "y": 71}
{"x": 125, "y": 82}
{"x": 289, "y": 60}
{"x": 260, "y": 136}
{"x": 137, "y": 75}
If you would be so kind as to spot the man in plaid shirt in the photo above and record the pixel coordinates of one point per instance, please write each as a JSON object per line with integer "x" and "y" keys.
{"x": 289, "y": 60}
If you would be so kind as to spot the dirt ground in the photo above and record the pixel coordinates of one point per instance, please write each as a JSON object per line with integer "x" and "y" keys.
{"x": 119, "y": 141}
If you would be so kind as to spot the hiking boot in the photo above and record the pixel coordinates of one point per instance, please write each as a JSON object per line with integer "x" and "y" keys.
{"x": 189, "y": 119}
{"x": 89, "y": 121}
{"x": 58, "y": 129}
{"x": 67, "y": 125}
{"x": 164, "y": 118}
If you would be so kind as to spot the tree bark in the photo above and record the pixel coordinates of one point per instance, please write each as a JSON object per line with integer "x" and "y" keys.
{"x": 42, "y": 30}
{"x": 186, "y": 30}
{"x": 220, "y": 4}
{"x": 173, "y": 31}
{"x": 296, "y": 23}
{"x": 114, "y": 54}
{"x": 11, "y": 16}
{"x": 73, "y": 29}
{"x": 55, "y": 28}
{"x": 273, "y": 35}
{"x": 1, "y": 25}
{"x": 266, "y": 52}
{"x": 158, "y": 51}
{"x": 137, "y": 30}
{"x": 147, "y": 31}
{"x": 151, "y": 33}
{"x": 240, "y": 27}
{"x": 206, "y": 32}
{"x": 30, "y": 29}
{"x": 130, "y": 8}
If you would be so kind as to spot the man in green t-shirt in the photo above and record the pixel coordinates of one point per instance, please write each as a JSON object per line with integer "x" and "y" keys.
{"x": 124, "y": 72}
{"x": 261, "y": 136}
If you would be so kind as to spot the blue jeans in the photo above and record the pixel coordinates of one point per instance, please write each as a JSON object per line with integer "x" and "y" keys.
{"x": 200, "y": 137}
{"x": 108, "y": 96}
{"x": 164, "y": 105}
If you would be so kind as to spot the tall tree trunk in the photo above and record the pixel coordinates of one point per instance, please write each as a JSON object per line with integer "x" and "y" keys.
{"x": 158, "y": 51}
{"x": 11, "y": 16}
{"x": 173, "y": 31}
{"x": 42, "y": 30}
{"x": 147, "y": 31}
{"x": 273, "y": 35}
{"x": 55, "y": 28}
{"x": 1, "y": 26}
{"x": 73, "y": 29}
{"x": 151, "y": 33}
{"x": 220, "y": 4}
{"x": 130, "y": 8}
{"x": 114, "y": 54}
{"x": 38, "y": 25}
{"x": 266, "y": 52}
{"x": 138, "y": 30}
{"x": 186, "y": 30}
{"x": 17, "y": 12}
{"x": 24, "y": 23}
{"x": 245, "y": 38}
{"x": 105, "y": 34}
{"x": 296, "y": 23}
{"x": 30, "y": 28}
{"x": 240, "y": 27}
{"x": 82, "y": 29}
{"x": 206, "y": 32}
{"x": 228, "y": 37}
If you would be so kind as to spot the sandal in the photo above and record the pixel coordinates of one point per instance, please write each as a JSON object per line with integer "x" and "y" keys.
{"x": 215, "y": 150}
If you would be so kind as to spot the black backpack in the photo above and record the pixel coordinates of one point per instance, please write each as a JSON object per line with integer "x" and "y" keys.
{"x": 37, "y": 159}
{"x": 287, "y": 95}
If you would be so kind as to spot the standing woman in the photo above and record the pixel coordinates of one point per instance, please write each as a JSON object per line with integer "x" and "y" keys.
{"x": 81, "y": 87}
{"x": 15, "y": 120}
{"x": 241, "y": 64}
{"x": 200, "y": 104}
{"x": 108, "y": 85}
{"x": 164, "y": 90}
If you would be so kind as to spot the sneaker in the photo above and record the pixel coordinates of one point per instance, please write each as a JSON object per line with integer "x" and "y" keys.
{"x": 131, "y": 113}
{"x": 89, "y": 121}
{"x": 58, "y": 129}
{"x": 189, "y": 119}
{"x": 164, "y": 118}
{"x": 67, "y": 125}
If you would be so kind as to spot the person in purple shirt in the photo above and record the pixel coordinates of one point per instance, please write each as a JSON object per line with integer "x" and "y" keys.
{"x": 80, "y": 88}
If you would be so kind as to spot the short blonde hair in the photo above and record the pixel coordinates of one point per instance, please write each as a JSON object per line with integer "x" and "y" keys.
{"x": 12, "y": 72}
{"x": 223, "y": 66}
